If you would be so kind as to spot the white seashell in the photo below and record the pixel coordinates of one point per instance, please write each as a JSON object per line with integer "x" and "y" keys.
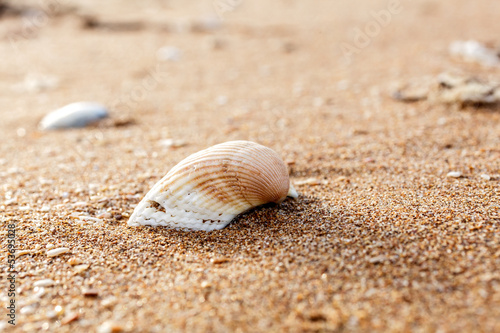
{"x": 23, "y": 253}
{"x": 475, "y": 51}
{"x": 81, "y": 268}
{"x": 57, "y": 252}
{"x": 454, "y": 174}
{"x": 208, "y": 189}
{"x": 78, "y": 114}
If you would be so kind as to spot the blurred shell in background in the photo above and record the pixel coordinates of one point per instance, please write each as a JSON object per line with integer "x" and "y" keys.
{"x": 79, "y": 114}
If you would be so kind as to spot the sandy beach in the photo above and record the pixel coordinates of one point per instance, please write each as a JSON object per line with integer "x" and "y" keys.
{"x": 397, "y": 223}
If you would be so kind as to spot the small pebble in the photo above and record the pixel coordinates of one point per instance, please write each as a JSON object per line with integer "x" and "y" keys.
{"x": 216, "y": 43}
{"x": 35, "y": 82}
{"x": 109, "y": 302}
{"x": 454, "y": 174}
{"x": 21, "y": 132}
{"x": 377, "y": 260}
{"x": 80, "y": 268}
{"x": 57, "y": 252}
{"x": 50, "y": 314}
{"x": 59, "y": 310}
{"x": 369, "y": 160}
{"x": 10, "y": 201}
{"x": 74, "y": 261}
{"x": 205, "y": 284}
{"x": 90, "y": 292}
{"x": 169, "y": 53}
{"x": 219, "y": 260}
{"x": 110, "y": 327}
{"x": 172, "y": 143}
{"x": 105, "y": 215}
{"x": 485, "y": 176}
{"x": 69, "y": 318}
{"x": 221, "y": 100}
{"x": 73, "y": 115}
{"x": 289, "y": 47}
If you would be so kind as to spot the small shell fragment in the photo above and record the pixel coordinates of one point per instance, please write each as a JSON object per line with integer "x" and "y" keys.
{"x": 217, "y": 261}
{"x": 485, "y": 176}
{"x": 44, "y": 283}
{"x": 90, "y": 292}
{"x": 79, "y": 114}
{"x": 69, "y": 318}
{"x": 81, "y": 268}
{"x": 475, "y": 51}
{"x": 207, "y": 190}
{"x": 22, "y": 253}
{"x": 454, "y": 174}
{"x": 310, "y": 181}
{"x": 57, "y": 252}
{"x": 110, "y": 327}
{"x": 74, "y": 261}
{"x": 453, "y": 89}
{"x": 172, "y": 143}
{"x": 446, "y": 88}
{"x": 90, "y": 218}
{"x": 10, "y": 201}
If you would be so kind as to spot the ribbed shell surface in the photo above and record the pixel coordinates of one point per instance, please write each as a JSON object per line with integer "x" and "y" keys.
{"x": 208, "y": 189}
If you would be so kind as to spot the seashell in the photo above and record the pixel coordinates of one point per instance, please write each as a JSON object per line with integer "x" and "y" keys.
{"x": 208, "y": 189}
{"x": 448, "y": 88}
{"x": 44, "y": 283}
{"x": 78, "y": 114}
{"x": 474, "y": 51}
{"x": 57, "y": 252}
{"x": 454, "y": 174}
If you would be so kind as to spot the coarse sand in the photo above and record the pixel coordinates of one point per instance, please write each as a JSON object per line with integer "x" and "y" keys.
{"x": 396, "y": 228}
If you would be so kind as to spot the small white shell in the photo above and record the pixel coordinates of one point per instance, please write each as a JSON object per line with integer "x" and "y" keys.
{"x": 44, "y": 283}
{"x": 79, "y": 114}
{"x": 208, "y": 189}
{"x": 57, "y": 252}
{"x": 454, "y": 174}
{"x": 475, "y": 51}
